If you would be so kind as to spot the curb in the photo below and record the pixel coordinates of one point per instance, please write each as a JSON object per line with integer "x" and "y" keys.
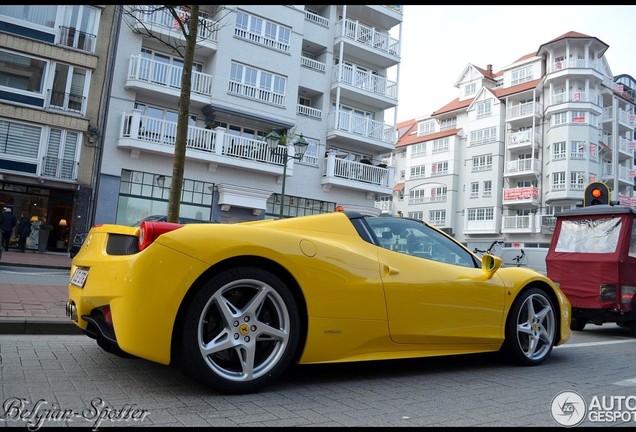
{"x": 32, "y": 326}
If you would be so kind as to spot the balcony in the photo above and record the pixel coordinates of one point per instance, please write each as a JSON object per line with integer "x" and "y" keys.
{"x": 521, "y": 196}
{"x": 143, "y": 134}
{"x": 361, "y": 131}
{"x": 519, "y": 224}
{"x": 522, "y": 168}
{"x": 522, "y": 140}
{"x": 356, "y": 175}
{"x": 307, "y": 111}
{"x": 364, "y": 87}
{"x": 367, "y": 42}
{"x": 159, "y": 79}
{"x": 256, "y": 93}
{"x": 159, "y": 21}
{"x": 524, "y": 110}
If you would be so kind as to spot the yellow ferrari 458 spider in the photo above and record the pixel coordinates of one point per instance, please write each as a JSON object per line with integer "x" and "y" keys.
{"x": 235, "y": 304}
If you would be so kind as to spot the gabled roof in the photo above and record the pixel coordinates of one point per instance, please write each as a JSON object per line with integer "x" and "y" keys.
{"x": 454, "y": 105}
{"x": 414, "y": 139}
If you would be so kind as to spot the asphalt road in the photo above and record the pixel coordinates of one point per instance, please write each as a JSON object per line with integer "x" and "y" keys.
{"x": 81, "y": 385}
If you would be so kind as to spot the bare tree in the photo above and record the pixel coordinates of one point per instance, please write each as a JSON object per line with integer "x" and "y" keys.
{"x": 187, "y": 21}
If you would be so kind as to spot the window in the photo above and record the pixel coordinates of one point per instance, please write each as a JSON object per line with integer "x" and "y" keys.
{"x": 418, "y": 171}
{"x": 438, "y": 194}
{"x": 440, "y": 145}
{"x": 38, "y": 14}
{"x": 426, "y": 127}
{"x": 69, "y": 89}
{"x": 19, "y": 139}
{"x": 263, "y": 32}
{"x": 482, "y": 163}
{"x": 577, "y": 149}
{"x": 483, "y": 136}
{"x": 437, "y": 217}
{"x": 470, "y": 89}
{"x": 419, "y": 215}
{"x": 474, "y": 190}
{"x": 79, "y": 27}
{"x": 559, "y": 119}
{"x": 521, "y": 75}
{"x": 558, "y": 150}
{"x": 418, "y": 149}
{"x": 577, "y": 179}
{"x": 558, "y": 181}
{"x": 439, "y": 168}
{"x": 257, "y": 84}
{"x": 487, "y": 188}
{"x": 22, "y": 73}
{"x": 141, "y": 194}
{"x": 481, "y": 214}
{"x": 448, "y": 123}
{"x": 484, "y": 108}
{"x": 419, "y": 240}
{"x": 416, "y": 196}
{"x": 579, "y": 116}
{"x": 61, "y": 154}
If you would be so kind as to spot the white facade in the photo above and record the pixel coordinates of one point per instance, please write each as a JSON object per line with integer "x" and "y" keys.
{"x": 319, "y": 71}
{"x": 522, "y": 145}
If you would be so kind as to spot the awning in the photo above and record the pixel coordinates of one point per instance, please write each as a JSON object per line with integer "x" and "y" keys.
{"x": 398, "y": 187}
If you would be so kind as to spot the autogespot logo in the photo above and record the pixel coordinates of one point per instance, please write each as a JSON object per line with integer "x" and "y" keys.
{"x": 568, "y": 408}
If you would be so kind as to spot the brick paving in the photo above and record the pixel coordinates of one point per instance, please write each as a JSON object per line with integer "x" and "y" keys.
{"x": 27, "y": 304}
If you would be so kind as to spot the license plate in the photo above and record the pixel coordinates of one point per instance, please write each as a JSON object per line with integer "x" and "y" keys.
{"x": 79, "y": 277}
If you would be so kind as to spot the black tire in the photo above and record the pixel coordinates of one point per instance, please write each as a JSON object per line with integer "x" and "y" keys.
{"x": 577, "y": 324}
{"x": 531, "y": 328}
{"x": 248, "y": 321}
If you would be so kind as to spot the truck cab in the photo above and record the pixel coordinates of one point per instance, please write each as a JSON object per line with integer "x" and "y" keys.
{"x": 592, "y": 257}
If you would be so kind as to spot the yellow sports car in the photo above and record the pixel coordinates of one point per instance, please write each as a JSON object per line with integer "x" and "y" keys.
{"x": 235, "y": 304}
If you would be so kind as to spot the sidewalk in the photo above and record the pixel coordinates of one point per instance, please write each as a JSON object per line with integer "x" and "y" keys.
{"x": 27, "y": 308}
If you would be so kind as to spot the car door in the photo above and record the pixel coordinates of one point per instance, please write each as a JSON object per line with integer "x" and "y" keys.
{"x": 437, "y": 294}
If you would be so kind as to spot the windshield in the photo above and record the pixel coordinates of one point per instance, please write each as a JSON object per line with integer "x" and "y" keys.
{"x": 589, "y": 235}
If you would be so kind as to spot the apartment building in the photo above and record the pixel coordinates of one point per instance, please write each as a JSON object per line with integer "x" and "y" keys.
{"x": 519, "y": 145}
{"x": 319, "y": 72}
{"x": 54, "y": 70}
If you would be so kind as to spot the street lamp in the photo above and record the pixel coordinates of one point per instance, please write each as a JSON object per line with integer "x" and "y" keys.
{"x": 300, "y": 146}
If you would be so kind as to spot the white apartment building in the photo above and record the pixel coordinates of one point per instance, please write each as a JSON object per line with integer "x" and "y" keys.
{"x": 53, "y": 77}
{"x": 517, "y": 146}
{"x": 319, "y": 71}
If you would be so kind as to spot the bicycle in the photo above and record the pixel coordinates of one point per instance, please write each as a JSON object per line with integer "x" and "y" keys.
{"x": 491, "y": 248}
{"x": 517, "y": 259}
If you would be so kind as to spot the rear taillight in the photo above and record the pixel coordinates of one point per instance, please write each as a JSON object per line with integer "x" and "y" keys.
{"x": 149, "y": 231}
{"x": 627, "y": 297}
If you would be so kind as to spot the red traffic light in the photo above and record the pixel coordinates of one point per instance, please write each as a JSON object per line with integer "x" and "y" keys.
{"x": 596, "y": 193}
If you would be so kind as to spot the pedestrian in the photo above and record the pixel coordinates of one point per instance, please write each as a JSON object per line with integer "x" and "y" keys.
{"x": 24, "y": 231}
{"x": 7, "y": 223}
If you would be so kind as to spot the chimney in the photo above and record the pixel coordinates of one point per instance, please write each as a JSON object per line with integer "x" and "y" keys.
{"x": 489, "y": 67}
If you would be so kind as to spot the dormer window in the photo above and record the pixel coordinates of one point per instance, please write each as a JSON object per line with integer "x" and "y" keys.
{"x": 470, "y": 89}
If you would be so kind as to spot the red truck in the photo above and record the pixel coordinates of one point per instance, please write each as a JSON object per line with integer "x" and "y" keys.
{"x": 592, "y": 257}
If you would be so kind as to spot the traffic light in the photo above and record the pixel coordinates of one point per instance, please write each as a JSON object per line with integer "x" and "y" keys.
{"x": 596, "y": 193}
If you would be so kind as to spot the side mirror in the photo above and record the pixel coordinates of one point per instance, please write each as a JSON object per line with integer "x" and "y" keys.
{"x": 490, "y": 264}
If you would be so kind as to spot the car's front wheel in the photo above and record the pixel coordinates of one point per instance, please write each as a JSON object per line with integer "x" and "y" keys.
{"x": 530, "y": 328}
{"x": 241, "y": 331}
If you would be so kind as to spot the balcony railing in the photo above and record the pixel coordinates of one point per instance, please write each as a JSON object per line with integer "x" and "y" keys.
{"x": 68, "y": 102}
{"x": 317, "y": 19}
{"x": 357, "y": 171}
{"x": 313, "y": 64}
{"x": 363, "y": 126}
{"x": 256, "y": 93}
{"x": 308, "y": 111}
{"x": 206, "y": 142}
{"x": 166, "y": 75}
{"x": 365, "y": 81}
{"x": 65, "y": 169}
{"x": 161, "y": 17}
{"x": 370, "y": 37}
{"x": 74, "y": 38}
{"x": 523, "y": 110}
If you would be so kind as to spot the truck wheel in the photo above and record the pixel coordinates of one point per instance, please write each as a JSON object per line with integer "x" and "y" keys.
{"x": 577, "y": 324}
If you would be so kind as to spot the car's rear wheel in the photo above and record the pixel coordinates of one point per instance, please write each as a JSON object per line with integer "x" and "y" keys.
{"x": 577, "y": 324}
{"x": 530, "y": 328}
{"x": 241, "y": 331}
